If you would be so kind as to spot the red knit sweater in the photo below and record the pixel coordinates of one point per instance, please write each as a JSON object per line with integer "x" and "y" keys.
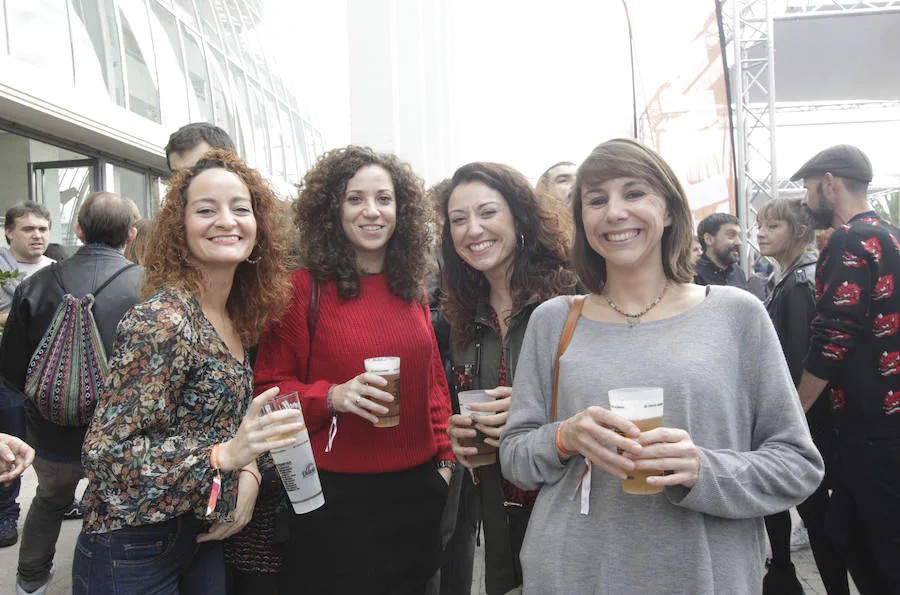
{"x": 374, "y": 324}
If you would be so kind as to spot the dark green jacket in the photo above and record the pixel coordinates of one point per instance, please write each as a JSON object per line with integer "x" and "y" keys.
{"x": 477, "y": 366}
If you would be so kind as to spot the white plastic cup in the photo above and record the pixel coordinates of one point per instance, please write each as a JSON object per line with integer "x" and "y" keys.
{"x": 389, "y": 369}
{"x": 644, "y": 407}
{"x": 487, "y": 454}
{"x": 296, "y": 464}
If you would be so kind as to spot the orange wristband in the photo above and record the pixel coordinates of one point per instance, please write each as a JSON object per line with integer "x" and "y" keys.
{"x": 214, "y": 456}
{"x": 258, "y": 479}
{"x": 559, "y": 444}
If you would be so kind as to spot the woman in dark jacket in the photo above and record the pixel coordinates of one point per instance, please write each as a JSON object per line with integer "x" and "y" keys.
{"x": 504, "y": 253}
{"x": 785, "y": 234}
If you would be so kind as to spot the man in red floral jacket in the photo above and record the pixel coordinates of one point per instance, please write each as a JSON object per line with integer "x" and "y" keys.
{"x": 855, "y": 351}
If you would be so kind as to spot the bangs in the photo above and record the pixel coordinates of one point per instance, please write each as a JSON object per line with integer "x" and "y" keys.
{"x": 776, "y": 209}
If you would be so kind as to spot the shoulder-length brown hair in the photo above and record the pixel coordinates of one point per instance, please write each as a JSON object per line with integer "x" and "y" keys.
{"x": 324, "y": 248}
{"x": 540, "y": 267}
{"x": 627, "y": 158}
{"x": 261, "y": 288}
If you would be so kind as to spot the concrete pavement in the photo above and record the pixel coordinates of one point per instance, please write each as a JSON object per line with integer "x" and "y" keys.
{"x": 62, "y": 581}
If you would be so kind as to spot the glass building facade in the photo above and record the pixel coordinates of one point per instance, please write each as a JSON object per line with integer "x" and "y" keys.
{"x": 91, "y": 89}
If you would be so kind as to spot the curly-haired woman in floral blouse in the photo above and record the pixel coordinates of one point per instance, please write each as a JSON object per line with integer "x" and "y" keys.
{"x": 170, "y": 453}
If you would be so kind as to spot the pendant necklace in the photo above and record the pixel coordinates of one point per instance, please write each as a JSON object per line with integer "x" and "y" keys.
{"x": 633, "y": 319}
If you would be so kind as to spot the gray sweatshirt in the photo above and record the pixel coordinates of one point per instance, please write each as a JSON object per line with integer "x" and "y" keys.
{"x": 726, "y": 383}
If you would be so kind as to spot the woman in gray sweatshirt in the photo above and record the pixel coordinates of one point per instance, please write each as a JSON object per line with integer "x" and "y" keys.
{"x": 733, "y": 446}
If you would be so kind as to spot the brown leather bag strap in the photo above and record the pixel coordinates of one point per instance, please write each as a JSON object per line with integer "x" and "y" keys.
{"x": 568, "y": 330}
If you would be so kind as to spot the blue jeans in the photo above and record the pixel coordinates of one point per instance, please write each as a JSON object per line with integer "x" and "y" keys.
{"x": 163, "y": 558}
{"x": 12, "y": 421}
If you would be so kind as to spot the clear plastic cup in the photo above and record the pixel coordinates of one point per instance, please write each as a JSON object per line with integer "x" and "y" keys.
{"x": 644, "y": 407}
{"x": 296, "y": 464}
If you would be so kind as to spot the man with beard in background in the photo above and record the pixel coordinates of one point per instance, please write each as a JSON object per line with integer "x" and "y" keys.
{"x": 854, "y": 361}
{"x": 720, "y": 238}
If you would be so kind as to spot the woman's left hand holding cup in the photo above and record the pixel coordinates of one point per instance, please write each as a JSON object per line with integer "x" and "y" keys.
{"x": 496, "y": 413}
{"x": 669, "y": 450}
{"x": 258, "y": 434}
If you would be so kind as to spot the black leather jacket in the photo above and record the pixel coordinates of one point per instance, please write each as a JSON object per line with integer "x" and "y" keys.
{"x": 792, "y": 306}
{"x": 34, "y": 304}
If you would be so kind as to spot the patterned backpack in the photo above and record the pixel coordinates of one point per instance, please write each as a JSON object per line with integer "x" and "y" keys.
{"x": 69, "y": 367}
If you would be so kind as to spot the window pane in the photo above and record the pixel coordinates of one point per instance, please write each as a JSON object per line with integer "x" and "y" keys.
{"x": 130, "y": 184}
{"x": 300, "y": 144}
{"x": 276, "y": 144}
{"x": 250, "y": 41}
{"x": 143, "y": 95}
{"x": 220, "y": 93}
{"x": 260, "y": 138}
{"x": 202, "y": 109}
{"x": 244, "y": 122}
{"x": 208, "y": 21}
{"x": 43, "y": 20}
{"x": 229, "y": 41}
{"x": 287, "y": 137}
{"x": 98, "y": 60}
{"x": 185, "y": 11}
{"x": 167, "y": 48}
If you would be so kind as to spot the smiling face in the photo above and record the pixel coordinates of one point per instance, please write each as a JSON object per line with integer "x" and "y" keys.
{"x": 220, "y": 227}
{"x": 724, "y": 248}
{"x": 482, "y": 228}
{"x": 369, "y": 216}
{"x": 624, "y": 220}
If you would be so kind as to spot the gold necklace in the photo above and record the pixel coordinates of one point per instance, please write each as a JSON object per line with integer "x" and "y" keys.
{"x": 633, "y": 319}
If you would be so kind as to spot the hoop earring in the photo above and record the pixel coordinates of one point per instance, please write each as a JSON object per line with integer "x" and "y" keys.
{"x": 520, "y": 244}
{"x": 252, "y": 260}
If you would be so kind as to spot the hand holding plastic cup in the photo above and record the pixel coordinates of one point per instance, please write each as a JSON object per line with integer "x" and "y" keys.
{"x": 487, "y": 454}
{"x": 644, "y": 407}
{"x": 296, "y": 464}
{"x": 389, "y": 369}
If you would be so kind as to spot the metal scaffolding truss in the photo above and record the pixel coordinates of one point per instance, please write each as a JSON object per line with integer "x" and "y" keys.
{"x": 749, "y": 38}
{"x": 749, "y": 28}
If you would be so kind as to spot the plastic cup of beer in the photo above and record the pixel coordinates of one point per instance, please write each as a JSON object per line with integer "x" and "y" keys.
{"x": 389, "y": 369}
{"x": 487, "y": 454}
{"x": 296, "y": 464}
{"x": 644, "y": 407}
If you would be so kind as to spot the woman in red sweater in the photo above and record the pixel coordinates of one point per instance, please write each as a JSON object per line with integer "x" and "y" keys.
{"x": 363, "y": 238}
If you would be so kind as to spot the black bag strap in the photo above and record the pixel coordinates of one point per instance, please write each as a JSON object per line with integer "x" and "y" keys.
{"x": 55, "y": 269}
{"x": 312, "y": 317}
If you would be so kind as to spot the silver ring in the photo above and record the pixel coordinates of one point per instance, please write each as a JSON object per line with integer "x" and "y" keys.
{"x": 358, "y": 400}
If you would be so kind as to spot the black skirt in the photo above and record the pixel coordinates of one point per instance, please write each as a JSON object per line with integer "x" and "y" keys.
{"x": 376, "y": 534}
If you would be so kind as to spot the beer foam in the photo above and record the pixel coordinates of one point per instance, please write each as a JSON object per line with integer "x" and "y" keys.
{"x": 636, "y": 404}
{"x": 383, "y": 365}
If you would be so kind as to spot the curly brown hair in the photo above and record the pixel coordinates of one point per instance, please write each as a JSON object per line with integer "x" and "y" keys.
{"x": 262, "y": 289}
{"x": 541, "y": 267}
{"x": 324, "y": 247}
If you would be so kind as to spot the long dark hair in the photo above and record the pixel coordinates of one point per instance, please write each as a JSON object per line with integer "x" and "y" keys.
{"x": 541, "y": 265}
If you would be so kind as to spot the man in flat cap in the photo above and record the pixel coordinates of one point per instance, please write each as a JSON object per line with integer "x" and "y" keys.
{"x": 855, "y": 354}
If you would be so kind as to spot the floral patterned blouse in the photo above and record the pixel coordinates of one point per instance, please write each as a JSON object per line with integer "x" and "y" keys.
{"x": 173, "y": 391}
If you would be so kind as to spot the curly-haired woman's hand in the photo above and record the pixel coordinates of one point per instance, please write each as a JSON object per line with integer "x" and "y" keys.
{"x": 496, "y": 413}
{"x": 359, "y": 397}
{"x": 258, "y": 434}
